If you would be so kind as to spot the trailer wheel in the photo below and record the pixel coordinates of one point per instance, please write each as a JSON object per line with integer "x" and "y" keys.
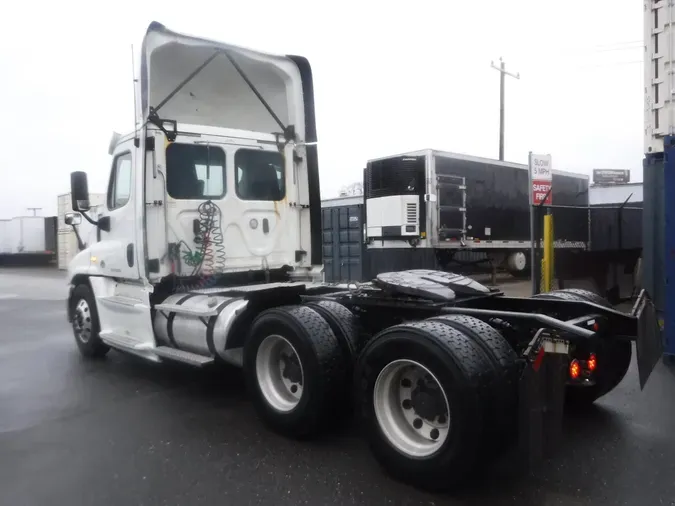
{"x": 422, "y": 391}
{"x": 518, "y": 264}
{"x": 504, "y": 361}
{"x": 294, "y": 368}
{"x": 613, "y": 356}
{"x": 86, "y": 326}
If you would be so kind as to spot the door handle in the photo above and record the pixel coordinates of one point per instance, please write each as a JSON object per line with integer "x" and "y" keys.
{"x": 130, "y": 254}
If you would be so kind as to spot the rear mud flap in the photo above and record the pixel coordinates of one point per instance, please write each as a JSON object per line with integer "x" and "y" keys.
{"x": 649, "y": 339}
{"x": 541, "y": 403}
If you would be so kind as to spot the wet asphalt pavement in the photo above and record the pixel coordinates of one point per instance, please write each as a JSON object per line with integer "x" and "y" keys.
{"x": 125, "y": 432}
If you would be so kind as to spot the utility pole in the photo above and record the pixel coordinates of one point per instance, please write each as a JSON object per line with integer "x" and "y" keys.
{"x": 34, "y": 209}
{"x": 502, "y": 74}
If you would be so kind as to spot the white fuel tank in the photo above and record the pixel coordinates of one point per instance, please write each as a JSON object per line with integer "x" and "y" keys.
{"x": 197, "y": 323}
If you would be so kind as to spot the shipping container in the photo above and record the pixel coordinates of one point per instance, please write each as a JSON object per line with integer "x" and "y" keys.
{"x": 343, "y": 239}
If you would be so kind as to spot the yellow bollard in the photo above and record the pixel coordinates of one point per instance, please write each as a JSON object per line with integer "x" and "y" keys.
{"x": 547, "y": 260}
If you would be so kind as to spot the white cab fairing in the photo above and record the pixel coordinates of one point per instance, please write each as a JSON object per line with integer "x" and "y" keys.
{"x": 248, "y": 121}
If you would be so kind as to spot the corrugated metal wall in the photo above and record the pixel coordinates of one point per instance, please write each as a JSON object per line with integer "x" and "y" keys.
{"x": 343, "y": 247}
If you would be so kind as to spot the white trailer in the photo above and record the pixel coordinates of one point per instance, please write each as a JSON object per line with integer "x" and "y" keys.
{"x": 210, "y": 252}
{"x": 27, "y": 234}
{"x": 5, "y": 241}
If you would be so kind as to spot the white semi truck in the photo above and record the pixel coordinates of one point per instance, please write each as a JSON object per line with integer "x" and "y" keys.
{"x": 210, "y": 252}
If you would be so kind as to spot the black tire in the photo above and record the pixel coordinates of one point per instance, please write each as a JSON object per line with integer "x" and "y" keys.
{"x": 504, "y": 360}
{"x": 322, "y": 365}
{"x": 344, "y": 325}
{"x": 85, "y": 323}
{"x": 466, "y": 376}
{"x": 613, "y": 356}
{"x": 587, "y": 295}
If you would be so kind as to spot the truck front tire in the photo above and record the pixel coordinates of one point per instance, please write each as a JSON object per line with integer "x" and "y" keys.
{"x": 86, "y": 326}
{"x": 422, "y": 393}
{"x": 294, "y": 370}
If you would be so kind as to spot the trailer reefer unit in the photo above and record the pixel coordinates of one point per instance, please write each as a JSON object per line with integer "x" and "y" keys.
{"x": 450, "y": 202}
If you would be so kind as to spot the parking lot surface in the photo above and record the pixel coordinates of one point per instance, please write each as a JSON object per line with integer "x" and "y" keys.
{"x": 124, "y": 432}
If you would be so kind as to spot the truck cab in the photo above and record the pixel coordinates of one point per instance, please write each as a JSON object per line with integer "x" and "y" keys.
{"x": 217, "y": 183}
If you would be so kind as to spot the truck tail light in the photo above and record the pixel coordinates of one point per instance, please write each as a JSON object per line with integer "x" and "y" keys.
{"x": 592, "y": 362}
{"x": 575, "y": 369}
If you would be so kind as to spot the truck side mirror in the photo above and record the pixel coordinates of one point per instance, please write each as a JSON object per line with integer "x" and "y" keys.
{"x": 73, "y": 218}
{"x": 79, "y": 191}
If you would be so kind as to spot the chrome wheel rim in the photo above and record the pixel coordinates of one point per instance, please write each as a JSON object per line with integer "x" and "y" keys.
{"x": 279, "y": 373}
{"x": 412, "y": 408}
{"x": 82, "y": 324}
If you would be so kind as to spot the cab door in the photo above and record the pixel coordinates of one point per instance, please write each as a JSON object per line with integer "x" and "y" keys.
{"x": 117, "y": 250}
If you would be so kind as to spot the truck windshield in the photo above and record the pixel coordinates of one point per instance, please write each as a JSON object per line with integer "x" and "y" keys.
{"x": 195, "y": 172}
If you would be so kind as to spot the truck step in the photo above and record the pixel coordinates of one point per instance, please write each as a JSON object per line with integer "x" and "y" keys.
{"x": 120, "y": 341}
{"x": 183, "y": 356}
{"x": 188, "y": 311}
{"x": 121, "y": 300}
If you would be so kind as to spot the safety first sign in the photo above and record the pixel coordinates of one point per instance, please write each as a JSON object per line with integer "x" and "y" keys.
{"x": 541, "y": 177}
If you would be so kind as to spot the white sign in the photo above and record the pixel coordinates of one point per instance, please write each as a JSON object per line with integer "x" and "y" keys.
{"x": 541, "y": 167}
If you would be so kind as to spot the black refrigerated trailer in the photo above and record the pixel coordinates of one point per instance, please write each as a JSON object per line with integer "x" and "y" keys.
{"x": 498, "y": 199}
{"x": 427, "y": 206}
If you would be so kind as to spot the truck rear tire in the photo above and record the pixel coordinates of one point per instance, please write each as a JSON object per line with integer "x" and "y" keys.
{"x": 613, "y": 356}
{"x": 344, "y": 325}
{"x": 294, "y": 369}
{"x": 504, "y": 361}
{"x": 422, "y": 391}
{"x": 86, "y": 326}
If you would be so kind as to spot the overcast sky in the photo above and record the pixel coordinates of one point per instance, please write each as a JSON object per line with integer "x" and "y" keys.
{"x": 387, "y": 80}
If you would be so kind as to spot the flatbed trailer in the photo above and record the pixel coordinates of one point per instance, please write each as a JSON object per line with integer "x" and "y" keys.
{"x": 210, "y": 253}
